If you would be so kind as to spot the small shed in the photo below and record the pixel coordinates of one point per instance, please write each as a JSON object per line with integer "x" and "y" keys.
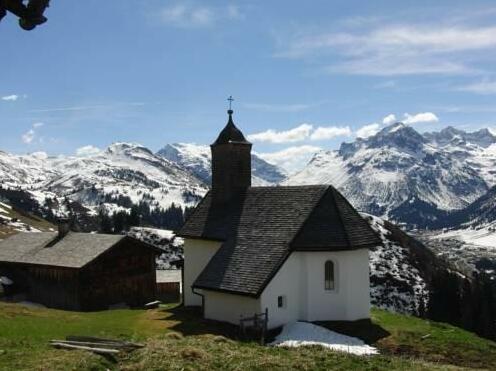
{"x": 169, "y": 285}
{"x": 79, "y": 271}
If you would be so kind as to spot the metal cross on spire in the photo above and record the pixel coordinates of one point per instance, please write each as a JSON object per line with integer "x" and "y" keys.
{"x": 230, "y": 99}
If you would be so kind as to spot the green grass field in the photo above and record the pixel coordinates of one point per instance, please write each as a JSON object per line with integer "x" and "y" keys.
{"x": 178, "y": 339}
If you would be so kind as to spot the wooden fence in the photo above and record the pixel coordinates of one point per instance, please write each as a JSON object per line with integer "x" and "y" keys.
{"x": 254, "y": 327}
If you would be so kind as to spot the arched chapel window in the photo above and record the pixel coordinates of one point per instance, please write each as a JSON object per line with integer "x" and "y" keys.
{"x": 329, "y": 275}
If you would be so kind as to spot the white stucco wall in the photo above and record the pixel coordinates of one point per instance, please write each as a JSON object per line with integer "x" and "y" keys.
{"x": 229, "y": 308}
{"x": 197, "y": 253}
{"x": 289, "y": 282}
{"x": 301, "y": 281}
{"x": 350, "y": 300}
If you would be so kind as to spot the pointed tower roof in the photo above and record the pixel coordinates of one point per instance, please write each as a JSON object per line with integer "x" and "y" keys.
{"x": 230, "y": 134}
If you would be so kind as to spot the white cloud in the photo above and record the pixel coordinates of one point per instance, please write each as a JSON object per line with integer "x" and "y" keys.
{"x": 420, "y": 118}
{"x": 277, "y": 107}
{"x": 28, "y": 136}
{"x": 88, "y": 150}
{"x": 330, "y": 132}
{"x": 233, "y": 12}
{"x": 89, "y": 108}
{"x": 389, "y": 119}
{"x": 483, "y": 87}
{"x": 291, "y": 159}
{"x": 296, "y": 134}
{"x": 11, "y": 98}
{"x": 368, "y": 130}
{"x": 386, "y": 84}
{"x": 300, "y": 133}
{"x": 187, "y": 15}
{"x": 384, "y": 49}
{"x": 182, "y": 15}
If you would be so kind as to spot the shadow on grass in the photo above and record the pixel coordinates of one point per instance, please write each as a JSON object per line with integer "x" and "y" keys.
{"x": 191, "y": 322}
{"x": 363, "y": 329}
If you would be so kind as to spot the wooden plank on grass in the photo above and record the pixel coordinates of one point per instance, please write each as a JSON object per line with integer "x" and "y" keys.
{"x": 89, "y": 349}
{"x": 97, "y": 345}
{"x": 92, "y": 339}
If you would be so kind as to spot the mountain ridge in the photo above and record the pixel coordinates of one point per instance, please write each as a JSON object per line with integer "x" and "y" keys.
{"x": 406, "y": 176}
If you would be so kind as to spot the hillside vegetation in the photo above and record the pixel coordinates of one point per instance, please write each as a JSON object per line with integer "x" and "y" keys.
{"x": 13, "y": 220}
{"x": 178, "y": 339}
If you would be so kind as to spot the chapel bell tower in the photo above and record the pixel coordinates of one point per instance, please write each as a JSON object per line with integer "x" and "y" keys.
{"x": 231, "y": 162}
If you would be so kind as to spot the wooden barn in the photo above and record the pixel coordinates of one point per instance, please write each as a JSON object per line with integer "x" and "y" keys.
{"x": 79, "y": 271}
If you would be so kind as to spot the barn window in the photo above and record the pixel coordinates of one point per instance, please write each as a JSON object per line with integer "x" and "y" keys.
{"x": 281, "y": 301}
{"x": 329, "y": 275}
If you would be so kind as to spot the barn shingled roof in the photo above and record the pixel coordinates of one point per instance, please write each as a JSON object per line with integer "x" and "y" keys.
{"x": 74, "y": 250}
{"x": 263, "y": 225}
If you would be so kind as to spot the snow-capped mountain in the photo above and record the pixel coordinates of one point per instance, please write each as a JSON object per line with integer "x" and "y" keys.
{"x": 125, "y": 169}
{"x": 196, "y": 158}
{"x": 116, "y": 179}
{"x": 405, "y": 176}
{"x": 24, "y": 169}
{"x": 123, "y": 172}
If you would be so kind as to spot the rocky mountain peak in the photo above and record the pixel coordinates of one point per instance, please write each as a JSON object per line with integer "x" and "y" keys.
{"x": 196, "y": 158}
{"x": 397, "y": 135}
{"x": 452, "y": 136}
{"x": 127, "y": 149}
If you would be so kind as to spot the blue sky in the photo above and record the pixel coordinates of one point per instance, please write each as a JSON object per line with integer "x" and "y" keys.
{"x": 304, "y": 75}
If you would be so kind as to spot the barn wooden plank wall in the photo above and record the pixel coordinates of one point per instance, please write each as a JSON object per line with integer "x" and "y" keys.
{"x": 123, "y": 274}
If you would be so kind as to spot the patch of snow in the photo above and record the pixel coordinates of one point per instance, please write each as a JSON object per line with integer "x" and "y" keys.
{"x": 166, "y": 240}
{"x": 485, "y": 236}
{"x": 298, "y": 334}
{"x": 396, "y": 285}
{"x": 397, "y": 127}
{"x": 6, "y": 281}
{"x": 6, "y": 205}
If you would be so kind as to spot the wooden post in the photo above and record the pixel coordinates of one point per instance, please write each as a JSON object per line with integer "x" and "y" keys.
{"x": 242, "y": 327}
{"x": 265, "y": 324}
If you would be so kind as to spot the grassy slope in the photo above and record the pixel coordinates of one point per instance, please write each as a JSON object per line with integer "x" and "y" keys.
{"x": 28, "y": 219}
{"x": 177, "y": 339}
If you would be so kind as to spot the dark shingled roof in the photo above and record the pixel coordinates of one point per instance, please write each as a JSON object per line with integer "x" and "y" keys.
{"x": 74, "y": 250}
{"x": 263, "y": 225}
{"x": 230, "y": 134}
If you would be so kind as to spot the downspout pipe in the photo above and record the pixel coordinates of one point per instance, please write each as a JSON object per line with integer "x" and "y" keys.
{"x": 203, "y": 300}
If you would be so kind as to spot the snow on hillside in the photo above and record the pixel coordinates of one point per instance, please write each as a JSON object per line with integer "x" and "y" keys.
{"x": 469, "y": 238}
{"x": 166, "y": 240}
{"x": 196, "y": 158}
{"x": 25, "y": 169}
{"x": 396, "y": 284}
{"x": 130, "y": 170}
{"x": 402, "y": 175}
{"x": 11, "y": 222}
{"x": 98, "y": 181}
{"x": 484, "y": 236}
